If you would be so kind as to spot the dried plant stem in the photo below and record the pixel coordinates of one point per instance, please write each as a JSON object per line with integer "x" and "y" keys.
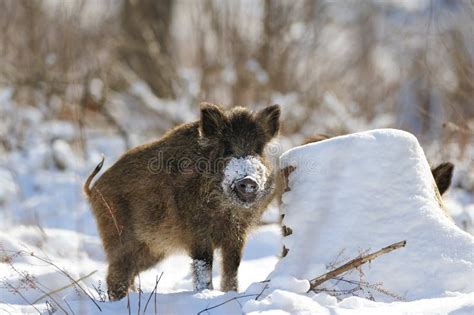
{"x": 235, "y": 298}
{"x": 65, "y": 273}
{"x": 68, "y": 276}
{"x": 69, "y": 306}
{"x": 153, "y": 292}
{"x": 355, "y": 263}
{"x": 63, "y": 288}
{"x": 111, "y": 212}
{"x": 261, "y": 292}
{"x": 23, "y": 297}
{"x": 38, "y": 286}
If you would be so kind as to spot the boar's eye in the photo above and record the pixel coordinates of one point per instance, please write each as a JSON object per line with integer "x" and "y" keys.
{"x": 227, "y": 150}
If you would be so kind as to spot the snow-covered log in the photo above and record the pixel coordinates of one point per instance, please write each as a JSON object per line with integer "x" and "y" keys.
{"x": 366, "y": 191}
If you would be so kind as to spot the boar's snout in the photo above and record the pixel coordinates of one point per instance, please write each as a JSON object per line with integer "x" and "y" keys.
{"x": 246, "y": 189}
{"x": 245, "y": 179}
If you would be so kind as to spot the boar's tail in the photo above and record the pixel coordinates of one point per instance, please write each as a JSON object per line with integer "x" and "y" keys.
{"x": 87, "y": 184}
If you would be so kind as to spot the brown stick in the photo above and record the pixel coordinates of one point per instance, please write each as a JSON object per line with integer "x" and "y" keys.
{"x": 235, "y": 298}
{"x": 354, "y": 263}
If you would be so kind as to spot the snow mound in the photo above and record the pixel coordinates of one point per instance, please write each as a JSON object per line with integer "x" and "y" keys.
{"x": 366, "y": 191}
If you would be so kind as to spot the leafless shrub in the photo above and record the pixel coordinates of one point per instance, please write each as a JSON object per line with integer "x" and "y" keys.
{"x": 30, "y": 282}
{"x": 246, "y": 54}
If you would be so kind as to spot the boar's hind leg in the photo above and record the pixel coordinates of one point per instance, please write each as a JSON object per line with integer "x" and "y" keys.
{"x": 202, "y": 255}
{"x": 231, "y": 256}
{"x": 124, "y": 268}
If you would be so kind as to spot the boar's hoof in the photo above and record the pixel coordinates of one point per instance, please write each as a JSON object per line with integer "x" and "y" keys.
{"x": 203, "y": 286}
{"x": 117, "y": 293}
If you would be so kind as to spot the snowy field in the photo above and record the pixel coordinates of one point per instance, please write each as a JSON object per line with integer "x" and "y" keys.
{"x": 48, "y": 239}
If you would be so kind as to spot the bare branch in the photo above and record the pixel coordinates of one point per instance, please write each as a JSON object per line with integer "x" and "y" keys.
{"x": 355, "y": 263}
{"x": 235, "y": 298}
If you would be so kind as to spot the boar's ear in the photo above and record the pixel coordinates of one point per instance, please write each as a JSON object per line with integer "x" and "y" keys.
{"x": 212, "y": 119}
{"x": 269, "y": 118}
{"x": 443, "y": 174}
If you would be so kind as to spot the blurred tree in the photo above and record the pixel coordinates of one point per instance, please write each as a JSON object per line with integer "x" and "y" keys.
{"x": 146, "y": 45}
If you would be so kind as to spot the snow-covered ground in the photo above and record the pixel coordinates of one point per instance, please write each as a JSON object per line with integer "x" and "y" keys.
{"x": 44, "y": 220}
{"x": 80, "y": 255}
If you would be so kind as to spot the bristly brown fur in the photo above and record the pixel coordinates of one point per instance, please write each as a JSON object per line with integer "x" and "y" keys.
{"x": 162, "y": 200}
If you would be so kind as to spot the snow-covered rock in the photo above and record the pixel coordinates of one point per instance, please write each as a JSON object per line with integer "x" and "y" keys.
{"x": 365, "y": 191}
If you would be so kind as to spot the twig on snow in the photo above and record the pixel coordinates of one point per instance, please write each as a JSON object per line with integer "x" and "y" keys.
{"x": 153, "y": 292}
{"x": 354, "y": 263}
{"x": 261, "y": 292}
{"x": 235, "y": 298}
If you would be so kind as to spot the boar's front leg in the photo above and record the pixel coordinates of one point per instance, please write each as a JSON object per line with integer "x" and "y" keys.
{"x": 202, "y": 255}
{"x": 231, "y": 256}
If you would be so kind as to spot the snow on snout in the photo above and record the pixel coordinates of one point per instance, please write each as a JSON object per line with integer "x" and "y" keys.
{"x": 244, "y": 167}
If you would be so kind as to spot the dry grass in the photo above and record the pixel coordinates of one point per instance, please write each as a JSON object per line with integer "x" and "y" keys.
{"x": 245, "y": 55}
